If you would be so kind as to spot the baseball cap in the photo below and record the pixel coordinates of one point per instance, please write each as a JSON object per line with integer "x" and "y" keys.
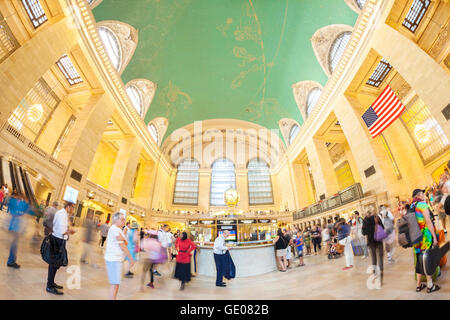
{"x": 417, "y": 191}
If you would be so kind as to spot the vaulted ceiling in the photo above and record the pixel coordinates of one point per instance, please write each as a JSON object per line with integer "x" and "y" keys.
{"x": 225, "y": 58}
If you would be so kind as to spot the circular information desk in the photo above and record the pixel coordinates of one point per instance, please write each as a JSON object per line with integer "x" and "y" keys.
{"x": 250, "y": 260}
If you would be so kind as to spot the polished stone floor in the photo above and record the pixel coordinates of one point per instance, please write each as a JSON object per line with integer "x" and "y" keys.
{"x": 319, "y": 279}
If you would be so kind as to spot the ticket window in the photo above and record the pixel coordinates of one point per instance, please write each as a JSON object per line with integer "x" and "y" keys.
{"x": 203, "y": 234}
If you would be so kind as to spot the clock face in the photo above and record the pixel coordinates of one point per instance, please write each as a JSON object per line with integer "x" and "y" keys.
{"x": 231, "y": 197}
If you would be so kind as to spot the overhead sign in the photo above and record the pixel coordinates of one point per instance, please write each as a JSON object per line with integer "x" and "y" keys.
{"x": 193, "y": 222}
{"x": 208, "y": 222}
{"x": 226, "y": 222}
{"x": 265, "y": 221}
{"x": 247, "y": 221}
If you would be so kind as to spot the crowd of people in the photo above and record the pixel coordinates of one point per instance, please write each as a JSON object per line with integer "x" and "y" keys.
{"x": 372, "y": 234}
{"x": 360, "y": 235}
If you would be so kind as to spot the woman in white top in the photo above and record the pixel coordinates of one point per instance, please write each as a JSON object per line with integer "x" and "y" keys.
{"x": 116, "y": 250}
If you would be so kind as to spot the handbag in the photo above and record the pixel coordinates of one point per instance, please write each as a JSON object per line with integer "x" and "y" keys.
{"x": 379, "y": 234}
{"x": 46, "y": 250}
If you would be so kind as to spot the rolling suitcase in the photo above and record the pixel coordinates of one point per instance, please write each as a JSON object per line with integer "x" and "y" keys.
{"x": 430, "y": 259}
{"x": 357, "y": 248}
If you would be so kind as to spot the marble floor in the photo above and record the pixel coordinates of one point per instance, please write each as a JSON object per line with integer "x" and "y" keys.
{"x": 319, "y": 279}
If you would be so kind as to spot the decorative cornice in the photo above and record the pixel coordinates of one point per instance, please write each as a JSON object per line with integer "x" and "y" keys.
{"x": 87, "y": 28}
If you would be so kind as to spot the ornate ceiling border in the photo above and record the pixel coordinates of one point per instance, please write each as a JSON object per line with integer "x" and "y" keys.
{"x": 87, "y": 27}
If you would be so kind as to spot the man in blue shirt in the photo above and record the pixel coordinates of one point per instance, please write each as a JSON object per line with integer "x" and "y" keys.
{"x": 17, "y": 208}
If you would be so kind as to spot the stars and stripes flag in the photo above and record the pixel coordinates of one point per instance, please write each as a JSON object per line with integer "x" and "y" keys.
{"x": 383, "y": 111}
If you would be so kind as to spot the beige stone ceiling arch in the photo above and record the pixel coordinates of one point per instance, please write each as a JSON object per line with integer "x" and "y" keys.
{"x": 161, "y": 125}
{"x": 128, "y": 39}
{"x": 244, "y": 134}
{"x": 323, "y": 39}
{"x": 285, "y": 125}
{"x": 147, "y": 89}
{"x": 301, "y": 90}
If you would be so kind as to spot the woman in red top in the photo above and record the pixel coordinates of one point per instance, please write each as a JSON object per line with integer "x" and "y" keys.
{"x": 184, "y": 247}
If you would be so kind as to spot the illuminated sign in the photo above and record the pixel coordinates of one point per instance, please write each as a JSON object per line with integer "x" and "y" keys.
{"x": 265, "y": 221}
{"x": 249, "y": 221}
{"x": 193, "y": 222}
{"x": 71, "y": 194}
{"x": 226, "y": 222}
{"x": 207, "y": 222}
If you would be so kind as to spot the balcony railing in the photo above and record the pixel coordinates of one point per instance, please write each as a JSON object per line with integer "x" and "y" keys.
{"x": 19, "y": 139}
{"x": 343, "y": 197}
{"x": 8, "y": 43}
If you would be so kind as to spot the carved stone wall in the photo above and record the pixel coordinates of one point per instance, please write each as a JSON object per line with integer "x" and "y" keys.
{"x": 352, "y": 4}
{"x": 301, "y": 90}
{"x": 128, "y": 39}
{"x": 147, "y": 89}
{"x": 161, "y": 125}
{"x": 323, "y": 39}
{"x": 285, "y": 125}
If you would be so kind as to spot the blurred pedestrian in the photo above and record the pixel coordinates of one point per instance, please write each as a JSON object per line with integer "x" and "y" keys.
{"x": 59, "y": 236}
{"x": 116, "y": 249}
{"x": 345, "y": 239}
{"x": 89, "y": 229}
{"x": 183, "y": 267}
{"x": 17, "y": 208}
{"x": 152, "y": 249}
{"x": 133, "y": 244}
{"x": 2, "y": 196}
{"x": 49, "y": 215}
{"x": 376, "y": 247}
{"x": 104, "y": 229}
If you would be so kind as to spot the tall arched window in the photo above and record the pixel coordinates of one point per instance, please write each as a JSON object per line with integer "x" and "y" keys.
{"x": 112, "y": 46}
{"x": 311, "y": 101}
{"x": 293, "y": 133}
{"x": 186, "y": 184}
{"x": 259, "y": 183}
{"x": 223, "y": 177}
{"x": 153, "y": 133}
{"x": 337, "y": 49}
{"x": 135, "y": 98}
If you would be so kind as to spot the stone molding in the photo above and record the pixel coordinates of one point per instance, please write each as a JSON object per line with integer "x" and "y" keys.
{"x": 285, "y": 125}
{"x": 147, "y": 89}
{"x": 301, "y": 91}
{"x": 128, "y": 39}
{"x": 161, "y": 125}
{"x": 323, "y": 39}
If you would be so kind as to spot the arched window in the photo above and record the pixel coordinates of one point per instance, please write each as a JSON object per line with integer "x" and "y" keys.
{"x": 186, "y": 184}
{"x": 222, "y": 178}
{"x": 360, "y": 3}
{"x": 259, "y": 183}
{"x": 153, "y": 133}
{"x": 112, "y": 46}
{"x": 135, "y": 98}
{"x": 337, "y": 49}
{"x": 293, "y": 133}
{"x": 311, "y": 101}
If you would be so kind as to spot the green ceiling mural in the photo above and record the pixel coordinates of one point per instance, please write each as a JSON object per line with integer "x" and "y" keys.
{"x": 225, "y": 58}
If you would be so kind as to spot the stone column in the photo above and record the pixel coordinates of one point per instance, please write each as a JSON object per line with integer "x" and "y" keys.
{"x": 124, "y": 170}
{"x": 322, "y": 168}
{"x": 366, "y": 151}
{"x": 422, "y": 72}
{"x": 303, "y": 182}
{"x": 27, "y": 64}
{"x": 242, "y": 188}
{"x": 204, "y": 187}
{"x": 144, "y": 184}
{"x": 83, "y": 139}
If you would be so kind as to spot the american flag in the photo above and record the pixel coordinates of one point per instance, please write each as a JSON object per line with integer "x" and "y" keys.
{"x": 383, "y": 111}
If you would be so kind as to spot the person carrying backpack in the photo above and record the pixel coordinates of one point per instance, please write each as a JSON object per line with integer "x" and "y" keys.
{"x": 387, "y": 218}
{"x": 429, "y": 237}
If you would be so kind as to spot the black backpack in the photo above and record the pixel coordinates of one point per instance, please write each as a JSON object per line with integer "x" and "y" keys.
{"x": 409, "y": 232}
{"x": 447, "y": 205}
